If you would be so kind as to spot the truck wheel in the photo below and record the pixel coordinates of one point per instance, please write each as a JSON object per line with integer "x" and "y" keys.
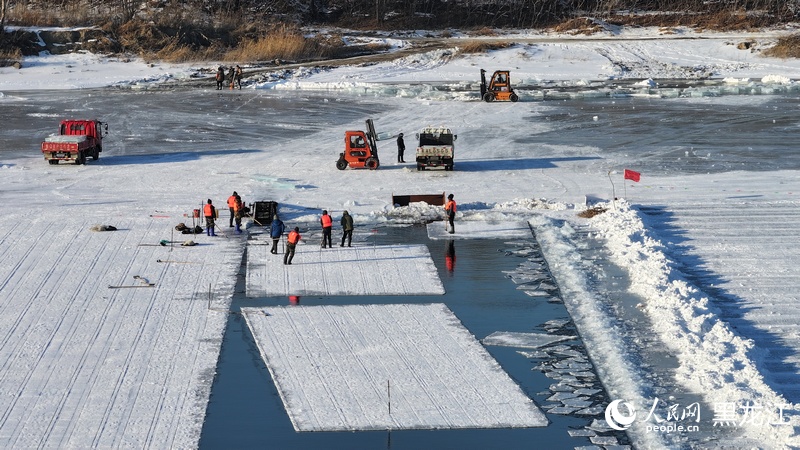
{"x": 488, "y": 97}
{"x": 341, "y": 164}
{"x": 371, "y": 163}
{"x": 95, "y": 153}
{"x": 513, "y": 97}
{"x": 52, "y": 162}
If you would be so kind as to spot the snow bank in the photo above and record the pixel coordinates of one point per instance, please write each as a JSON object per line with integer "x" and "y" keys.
{"x": 714, "y": 360}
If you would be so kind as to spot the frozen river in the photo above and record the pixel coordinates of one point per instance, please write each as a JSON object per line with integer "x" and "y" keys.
{"x": 667, "y": 136}
{"x": 655, "y": 136}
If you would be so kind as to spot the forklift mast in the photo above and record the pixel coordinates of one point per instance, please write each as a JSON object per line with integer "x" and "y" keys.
{"x": 483, "y": 82}
{"x": 371, "y": 137}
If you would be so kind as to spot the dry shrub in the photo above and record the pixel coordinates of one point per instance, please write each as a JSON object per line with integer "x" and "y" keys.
{"x": 589, "y": 213}
{"x": 176, "y": 53}
{"x": 485, "y": 31}
{"x": 139, "y": 36}
{"x": 67, "y": 14}
{"x": 288, "y": 43}
{"x": 20, "y": 15}
{"x": 481, "y": 46}
{"x": 10, "y": 57}
{"x": 786, "y": 47}
{"x": 720, "y": 20}
{"x": 579, "y": 25}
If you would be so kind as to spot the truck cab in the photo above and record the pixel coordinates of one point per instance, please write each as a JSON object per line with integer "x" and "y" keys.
{"x": 76, "y": 141}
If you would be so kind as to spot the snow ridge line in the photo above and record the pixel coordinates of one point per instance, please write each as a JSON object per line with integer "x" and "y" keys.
{"x": 595, "y": 324}
{"x": 715, "y": 360}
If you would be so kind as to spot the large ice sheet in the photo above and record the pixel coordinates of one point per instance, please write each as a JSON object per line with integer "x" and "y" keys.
{"x": 523, "y": 340}
{"x": 359, "y": 270}
{"x": 480, "y": 230}
{"x": 379, "y": 367}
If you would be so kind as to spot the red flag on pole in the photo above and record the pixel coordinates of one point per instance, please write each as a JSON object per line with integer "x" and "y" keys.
{"x": 632, "y": 175}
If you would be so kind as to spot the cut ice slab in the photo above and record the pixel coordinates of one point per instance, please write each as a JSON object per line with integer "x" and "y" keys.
{"x": 359, "y": 270}
{"x": 480, "y": 230}
{"x": 523, "y": 340}
{"x": 385, "y": 367}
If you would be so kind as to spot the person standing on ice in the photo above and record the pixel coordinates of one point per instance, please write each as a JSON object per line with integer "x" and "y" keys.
{"x": 291, "y": 243}
{"x": 232, "y": 76}
{"x": 327, "y": 226}
{"x": 275, "y": 232}
{"x": 238, "y": 76}
{"x": 231, "y": 206}
{"x": 238, "y": 212}
{"x": 220, "y": 77}
{"x": 210, "y": 213}
{"x": 347, "y": 228}
{"x": 450, "y": 211}
{"x": 401, "y": 148}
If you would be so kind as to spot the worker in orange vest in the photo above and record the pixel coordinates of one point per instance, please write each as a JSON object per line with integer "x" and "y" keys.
{"x": 238, "y": 212}
{"x": 450, "y": 211}
{"x": 210, "y": 213}
{"x": 327, "y": 226}
{"x": 231, "y": 206}
{"x": 291, "y": 243}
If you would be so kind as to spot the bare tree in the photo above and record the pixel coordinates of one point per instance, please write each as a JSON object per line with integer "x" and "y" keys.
{"x": 3, "y": 9}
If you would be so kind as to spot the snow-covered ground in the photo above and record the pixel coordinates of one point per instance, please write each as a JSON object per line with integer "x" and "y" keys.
{"x": 712, "y": 258}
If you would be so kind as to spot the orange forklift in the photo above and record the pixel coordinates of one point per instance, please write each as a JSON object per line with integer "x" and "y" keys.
{"x": 499, "y": 88}
{"x": 360, "y": 149}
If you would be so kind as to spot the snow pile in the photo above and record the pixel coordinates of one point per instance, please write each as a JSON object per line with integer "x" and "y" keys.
{"x": 776, "y": 79}
{"x": 715, "y": 361}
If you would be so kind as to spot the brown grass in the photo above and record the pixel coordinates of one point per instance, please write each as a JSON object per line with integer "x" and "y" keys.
{"x": 786, "y": 47}
{"x": 288, "y": 43}
{"x": 8, "y": 57}
{"x": 589, "y": 213}
{"x": 579, "y": 25}
{"x": 481, "y": 46}
{"x": 70, "y": 14}
{"x": 485, "y": 31}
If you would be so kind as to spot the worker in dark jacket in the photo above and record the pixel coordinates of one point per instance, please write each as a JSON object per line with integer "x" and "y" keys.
{"x": 210, "y": 213}
{"x": 401, "y": 148}
{"x": 291, "y": 243}
{"x": 238, "y": 212}
{"x": 347, "y": 228}
{"x": 220, "y": 77}
{"x": 275, "y": 232}
{"x": 327, "y": 226}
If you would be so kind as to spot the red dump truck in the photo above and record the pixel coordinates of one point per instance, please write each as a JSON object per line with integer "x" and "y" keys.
{"x": 76, "y": 140}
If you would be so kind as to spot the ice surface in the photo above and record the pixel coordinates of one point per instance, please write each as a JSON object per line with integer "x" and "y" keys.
{"x": 381, "y": 367}
{"x": 78, "y": 355}
{"x": 479, "y": 230}
{"x": 357, "y": 270}
{"x": 523, "y": 340}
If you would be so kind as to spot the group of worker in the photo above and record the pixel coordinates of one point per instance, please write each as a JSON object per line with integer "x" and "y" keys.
{"x": 278, "y": 228}
{"x": 234, "y": 77}
{"x": 235, "y": 206}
